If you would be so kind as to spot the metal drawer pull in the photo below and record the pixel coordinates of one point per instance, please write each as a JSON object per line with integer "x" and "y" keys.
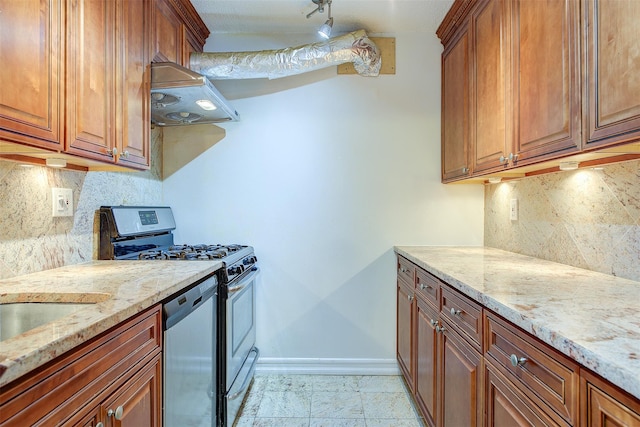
{"x": 117, "y": 413}
{"x": 440, "y": 329}
{"x": 410, "y": 297}
{"x": 100, "y": 425}
{"x": 434, "y": 322}
{"x": 455, "y": 312}
{"x": 423, "y": 286}
{"x": 515, "y": 361}
{"x": 404, "y": 270}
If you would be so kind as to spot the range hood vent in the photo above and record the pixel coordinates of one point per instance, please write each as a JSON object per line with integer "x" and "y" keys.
{"x": 180, "y": 96}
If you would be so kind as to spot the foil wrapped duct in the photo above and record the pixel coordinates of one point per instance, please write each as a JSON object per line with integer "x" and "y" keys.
{"x": 355, "y": 47}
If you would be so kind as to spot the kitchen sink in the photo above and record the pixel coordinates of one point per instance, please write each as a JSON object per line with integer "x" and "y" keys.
{"x": 19, "y": 317}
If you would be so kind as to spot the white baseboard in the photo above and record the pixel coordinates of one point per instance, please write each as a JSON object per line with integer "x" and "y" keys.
{"x": 329, "y": 366}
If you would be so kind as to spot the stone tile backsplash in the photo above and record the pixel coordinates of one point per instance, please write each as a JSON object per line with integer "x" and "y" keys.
{"x": 32, "y": 240}
{"x": 587, "y": 218}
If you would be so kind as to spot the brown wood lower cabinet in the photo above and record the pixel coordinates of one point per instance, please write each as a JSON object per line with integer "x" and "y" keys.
{"x": 467, "y": 366}
{"x": 605, "y": 405}
{"x": 405, "y": 340}
{"x": 134, "y": 404}
{"x": 426, "y": 362}
{"x": 114, "y": 379}
{"x": 507, "y": 406}
{"x": 460, "y": 380}
{"x": 447, "y": 381}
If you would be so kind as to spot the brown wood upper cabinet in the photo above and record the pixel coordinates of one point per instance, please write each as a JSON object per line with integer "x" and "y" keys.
{"x": 108, "y": 81}
{"x": 612, "y": 105}
{"x": 545, "y": 82}
{"x": 490, "y": 135}
{"x": 77, "y": 81}
{"x": 536, "y": 91}
{"x": 78, "y": 78}
{"x": 32, "y": 72}
{"x": 455, "y": 107}
{"x": 178, "y": 30}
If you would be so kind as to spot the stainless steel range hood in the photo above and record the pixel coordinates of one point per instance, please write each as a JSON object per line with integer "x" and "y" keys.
{"x": 180, "y": 96}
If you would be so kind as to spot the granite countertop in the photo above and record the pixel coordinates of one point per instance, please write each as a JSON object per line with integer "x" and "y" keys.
{"x": 591, "y": 317}
{"x": 119, "y": 289}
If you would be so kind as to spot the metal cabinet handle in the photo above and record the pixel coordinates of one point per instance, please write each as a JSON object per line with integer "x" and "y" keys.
{"x": 515, "y": 361}
{"x": 410, "y": 297}
{"x": 117, "y": 414}
{"x": 433, "y": 322}
{"x": 100, "y": 424}
{"x": 404, "y": 270}
{"x": 113, "y": 152}
{"x": 510, "y": 158}
{"x": 440, "y": 329}
{"x": 455, "y": 312}
{"x": 423, "y": 286}
{"x": 125, "y": 154}
{"x": 465, "y": 170}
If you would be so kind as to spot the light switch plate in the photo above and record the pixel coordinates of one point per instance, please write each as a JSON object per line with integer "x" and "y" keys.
{"x": 513, "y": 210}
{"x": 61, "y": 202}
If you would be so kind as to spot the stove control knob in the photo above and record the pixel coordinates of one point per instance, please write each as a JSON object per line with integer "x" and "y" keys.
{"x": 235, "y": 270}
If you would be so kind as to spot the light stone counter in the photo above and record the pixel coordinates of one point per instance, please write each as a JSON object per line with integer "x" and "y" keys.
{"x": 591, "y": 317}
{"x": 120, "y": 289}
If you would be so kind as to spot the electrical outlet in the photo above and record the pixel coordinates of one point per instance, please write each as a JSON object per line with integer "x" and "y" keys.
{"x": 61, "y": 202}
{"x": 513, "y": 211}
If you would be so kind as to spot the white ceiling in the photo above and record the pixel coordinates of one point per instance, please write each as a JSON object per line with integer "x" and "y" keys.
{"x": 378, "y": 17}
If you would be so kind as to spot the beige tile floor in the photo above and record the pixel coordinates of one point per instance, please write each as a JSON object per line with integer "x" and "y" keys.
{"x": 327, "y": 401}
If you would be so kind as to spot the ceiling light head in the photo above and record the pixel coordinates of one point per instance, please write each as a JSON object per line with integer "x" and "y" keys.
{"x": 325, "y": 29}
{"x": 495, "y": 180}
{"x": 568, "y": 166}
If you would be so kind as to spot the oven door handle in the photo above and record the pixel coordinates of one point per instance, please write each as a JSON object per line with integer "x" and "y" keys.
{"x": 245, "y": 281}
{"x": 249, "y": 377}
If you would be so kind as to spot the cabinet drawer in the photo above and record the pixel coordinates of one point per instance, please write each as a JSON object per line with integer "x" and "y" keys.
{"x": 464, "y": 314}
{"x": 428, "y": 287}
{"x": 547, "y": 377}
{"x": 405, "y": 270}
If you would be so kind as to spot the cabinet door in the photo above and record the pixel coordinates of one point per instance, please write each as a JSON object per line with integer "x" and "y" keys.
{"x": 32, "y": 81}
{"x": 603, "y": 405}
{"x": 167, "y": 34}
{"x": 405, "y": 310}
{"x": 133, "y": 82}
{"x": 507, "y": 407}
{"x": 139, "y": 402}
{"x": 491, "y": 136}
{"x": 460, "y": 381}
{"x": 612, "y": 62}
{"x": 455, "y": 108}
{"x": 545, "y": 37}
{"x": 90, "y": 67}
{"x": 426, "y": 361}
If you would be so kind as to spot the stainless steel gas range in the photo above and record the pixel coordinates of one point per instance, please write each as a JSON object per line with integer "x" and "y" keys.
{"x": 209, "y": 327}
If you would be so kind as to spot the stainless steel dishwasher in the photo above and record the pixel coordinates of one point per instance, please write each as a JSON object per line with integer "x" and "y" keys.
{"x": 190, "y": 365}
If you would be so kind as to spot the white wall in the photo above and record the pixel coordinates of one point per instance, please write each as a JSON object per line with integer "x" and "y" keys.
{"x": 323, "y": 175}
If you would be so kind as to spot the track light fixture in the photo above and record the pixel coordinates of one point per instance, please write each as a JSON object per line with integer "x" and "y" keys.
{"x": 325, "y": 29}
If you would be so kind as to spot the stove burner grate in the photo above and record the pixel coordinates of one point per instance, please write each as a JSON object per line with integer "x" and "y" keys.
{"x": 190, "y": 252}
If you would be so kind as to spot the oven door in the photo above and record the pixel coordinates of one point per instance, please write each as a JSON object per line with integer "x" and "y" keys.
{"x": 240, "y": 323}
